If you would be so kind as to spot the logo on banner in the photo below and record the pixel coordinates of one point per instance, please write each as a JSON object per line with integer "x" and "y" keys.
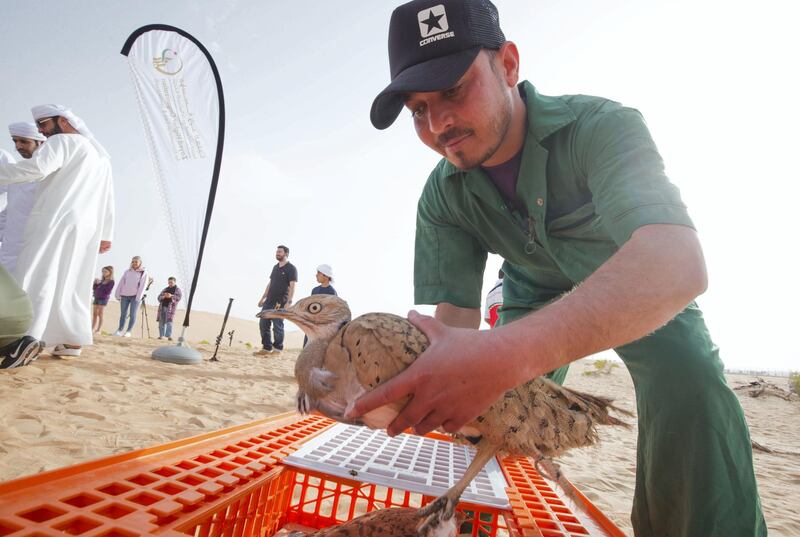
{"x": 168, "y": 63}
{"x": 433, "y": 25}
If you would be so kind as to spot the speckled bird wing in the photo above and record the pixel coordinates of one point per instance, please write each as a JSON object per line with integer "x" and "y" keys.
{"x": 385, "y": 522}
{"x": 541, "y": 417}
{"x": 380, "y": 346}
{"x": 394, "y": 522}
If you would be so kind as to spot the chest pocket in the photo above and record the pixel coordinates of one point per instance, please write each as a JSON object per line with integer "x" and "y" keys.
{"x": 579, "y": 242}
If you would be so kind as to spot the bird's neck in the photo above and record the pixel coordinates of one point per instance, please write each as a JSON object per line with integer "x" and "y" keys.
{"x": 325, "y": 332}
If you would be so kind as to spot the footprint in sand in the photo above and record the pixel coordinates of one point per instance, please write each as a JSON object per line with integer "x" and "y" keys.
{"x": 197, "y": 422}
{"x": 88, "y": 415}
{"x": 29, "y": 426}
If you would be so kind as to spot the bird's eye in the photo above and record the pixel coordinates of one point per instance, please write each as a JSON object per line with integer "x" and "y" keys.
{"x": 314, "y": 307}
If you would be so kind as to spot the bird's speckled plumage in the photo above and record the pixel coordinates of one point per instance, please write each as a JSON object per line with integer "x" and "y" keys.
{"x": 398, "y": 522}
{"x": 344, "y": 359}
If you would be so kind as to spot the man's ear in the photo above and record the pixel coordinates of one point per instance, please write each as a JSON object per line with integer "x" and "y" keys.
{"x": 65, "y": 125}
{"x": 509, "y": 58}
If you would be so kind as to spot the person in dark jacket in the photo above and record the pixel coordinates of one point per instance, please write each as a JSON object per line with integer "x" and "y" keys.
{"x": 167, "y": 304}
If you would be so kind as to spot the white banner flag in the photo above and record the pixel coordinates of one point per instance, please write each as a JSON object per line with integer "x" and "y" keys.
{"x": 181, "y": 105}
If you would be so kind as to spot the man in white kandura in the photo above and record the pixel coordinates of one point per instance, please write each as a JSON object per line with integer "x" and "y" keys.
{"x": 5, "y": 158}
{"x": 71, "y": 221}
{"x": 20, "y": 196}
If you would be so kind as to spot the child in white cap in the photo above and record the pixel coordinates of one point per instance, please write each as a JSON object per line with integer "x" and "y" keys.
{"x": 324, "y": 277}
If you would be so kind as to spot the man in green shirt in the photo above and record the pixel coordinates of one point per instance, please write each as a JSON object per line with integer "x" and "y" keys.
{"x": 599, "y": 252}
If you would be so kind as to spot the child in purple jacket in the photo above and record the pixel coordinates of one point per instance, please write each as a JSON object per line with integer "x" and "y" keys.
{"x": 102, "y": 292}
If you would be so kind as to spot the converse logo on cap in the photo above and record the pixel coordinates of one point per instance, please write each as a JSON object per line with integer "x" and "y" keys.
{"x": 433, "y": 25}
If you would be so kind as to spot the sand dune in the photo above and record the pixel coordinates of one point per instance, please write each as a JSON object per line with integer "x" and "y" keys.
{"x": 115, "y": 398}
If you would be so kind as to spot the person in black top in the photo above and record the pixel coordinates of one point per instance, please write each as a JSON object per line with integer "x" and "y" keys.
{"x": 278, "y": 294}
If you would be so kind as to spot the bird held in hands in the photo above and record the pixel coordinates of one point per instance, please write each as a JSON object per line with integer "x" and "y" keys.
{"x": 346, "y": 358}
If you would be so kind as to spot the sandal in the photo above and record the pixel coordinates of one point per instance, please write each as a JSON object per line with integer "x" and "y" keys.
{"x": 63, "y": 350}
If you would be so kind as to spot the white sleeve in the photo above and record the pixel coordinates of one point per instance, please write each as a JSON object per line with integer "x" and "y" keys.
{"x": 107, "y": 231}
{"x": 4, "y": 205}
{"x": 47, "y": 159}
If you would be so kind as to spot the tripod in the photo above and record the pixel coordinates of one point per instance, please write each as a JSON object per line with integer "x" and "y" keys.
{"x": 145, "y": 321}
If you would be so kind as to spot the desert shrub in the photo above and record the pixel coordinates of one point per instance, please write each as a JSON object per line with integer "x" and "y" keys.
{"x": 601, "y": 367}
{"x": 794, "y": 383}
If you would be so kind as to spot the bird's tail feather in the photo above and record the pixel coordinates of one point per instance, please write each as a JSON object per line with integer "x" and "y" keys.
{"x": 598, "y": 406}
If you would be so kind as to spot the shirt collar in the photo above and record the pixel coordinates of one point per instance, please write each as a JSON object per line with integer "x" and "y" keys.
{"x": 546, "y": 115}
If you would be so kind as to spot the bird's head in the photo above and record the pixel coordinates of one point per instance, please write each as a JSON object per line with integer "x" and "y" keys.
{"x": 318, "y": 316}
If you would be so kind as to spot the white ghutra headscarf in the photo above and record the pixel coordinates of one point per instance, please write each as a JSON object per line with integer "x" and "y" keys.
{"x": 26, "y": 130}
{"x": 53, "y": 110}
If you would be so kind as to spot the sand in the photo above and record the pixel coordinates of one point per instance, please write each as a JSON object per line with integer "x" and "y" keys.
{"x": 115, "y": 398}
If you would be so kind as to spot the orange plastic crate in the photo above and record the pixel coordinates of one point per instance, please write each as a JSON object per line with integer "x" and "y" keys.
{"x": 231, "y": 483}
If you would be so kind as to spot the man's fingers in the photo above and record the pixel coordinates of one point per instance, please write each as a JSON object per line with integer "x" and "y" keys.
{"x": 452, "y": 426}
{"x": 411, "y": 415}
{"x": 431, "y": 422}
{"x": 429, "y": 326}
{"x": 384, "y": 394}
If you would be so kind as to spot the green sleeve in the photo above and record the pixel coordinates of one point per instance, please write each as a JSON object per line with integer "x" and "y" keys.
{"x": 625, "y": 174}
{"x": 448, "y": 261}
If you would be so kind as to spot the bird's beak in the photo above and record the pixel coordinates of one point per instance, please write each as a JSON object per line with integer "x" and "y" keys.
{"x": 281, "y": 313}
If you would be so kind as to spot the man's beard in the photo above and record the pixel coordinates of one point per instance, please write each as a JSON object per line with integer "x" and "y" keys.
{"x": 497, "y": 129}
{"x": 55, "y": 130}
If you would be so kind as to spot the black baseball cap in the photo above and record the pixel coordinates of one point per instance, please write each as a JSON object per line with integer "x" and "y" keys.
{"x": 432, "y": 43}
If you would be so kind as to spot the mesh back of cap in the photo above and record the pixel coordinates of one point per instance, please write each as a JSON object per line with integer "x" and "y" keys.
{"x": 484, "y": 22}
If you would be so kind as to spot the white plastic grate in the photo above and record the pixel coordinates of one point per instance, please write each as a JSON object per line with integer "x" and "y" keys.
{"x": 406, "y": 461}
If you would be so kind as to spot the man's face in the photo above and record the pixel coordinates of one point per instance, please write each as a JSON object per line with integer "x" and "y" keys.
{"x": 468, "y": 122}
{"x": 171, "y": 282}
{"x": 280, "y": 254}
{"x": 49, "y": 126}
{"x": 25, "y": 146}
{"x": 135, "y": 263}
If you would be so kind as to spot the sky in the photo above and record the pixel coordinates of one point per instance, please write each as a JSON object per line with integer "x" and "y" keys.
{"x": 717, "y": 82}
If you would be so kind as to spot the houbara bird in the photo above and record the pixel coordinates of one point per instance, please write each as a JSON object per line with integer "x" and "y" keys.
{"x": 397, "y": 522}
{"x": 344, "y": 359}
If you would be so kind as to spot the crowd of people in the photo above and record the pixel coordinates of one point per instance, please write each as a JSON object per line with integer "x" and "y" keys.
{"x": 130, "y": 292}
{"x": 57, "y": 217}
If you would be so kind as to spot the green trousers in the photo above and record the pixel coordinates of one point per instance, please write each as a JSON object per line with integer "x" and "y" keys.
{"x": 16, "y": 312}
{"x": 694, "y": 463}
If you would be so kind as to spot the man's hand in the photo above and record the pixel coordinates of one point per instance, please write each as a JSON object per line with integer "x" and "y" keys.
{"x": 646, "y": 283}
{"x": 451, "y": 383}
{"x": 105, "y": 246}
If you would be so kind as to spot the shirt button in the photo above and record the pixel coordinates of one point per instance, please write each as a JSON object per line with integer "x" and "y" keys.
{"x": 539, "y": 202}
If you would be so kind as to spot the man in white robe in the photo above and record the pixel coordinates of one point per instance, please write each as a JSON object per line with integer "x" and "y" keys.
{"x": 5, "y": 158}
{"x": 20, "y": 196}
{"x": 71, "y": 221}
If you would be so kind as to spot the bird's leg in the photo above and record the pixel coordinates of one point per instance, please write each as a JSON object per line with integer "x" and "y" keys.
{"x": 551, "y": 470}
{"x": 443, "y": 507}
